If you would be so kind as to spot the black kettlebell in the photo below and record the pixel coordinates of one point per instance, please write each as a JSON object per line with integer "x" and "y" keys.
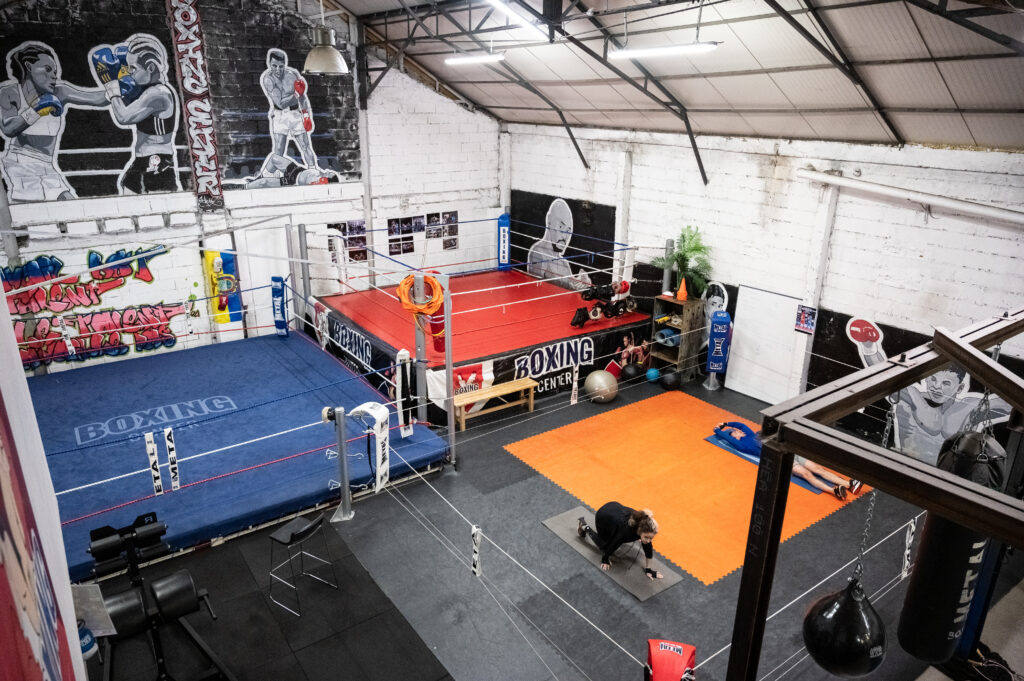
{"x": 844, "y": 634}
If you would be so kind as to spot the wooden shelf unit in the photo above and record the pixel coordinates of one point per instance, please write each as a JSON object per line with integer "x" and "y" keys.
{"x": 691, "y": 318}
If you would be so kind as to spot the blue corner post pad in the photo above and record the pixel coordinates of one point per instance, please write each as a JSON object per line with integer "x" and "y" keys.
{"x": 504, "y": 241}
{"x": 278, "y": 303}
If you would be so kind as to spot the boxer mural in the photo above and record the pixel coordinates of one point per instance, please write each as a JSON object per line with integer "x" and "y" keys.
{"x": 547, "y": 257}
{"x": 929, "y": 412}
{"x": 290, "y": 115}
{"x": 32, "y": 106}
{"x": 133, "y": 75}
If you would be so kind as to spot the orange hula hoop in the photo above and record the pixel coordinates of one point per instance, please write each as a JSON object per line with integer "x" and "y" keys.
{"x": 428, "y": 307}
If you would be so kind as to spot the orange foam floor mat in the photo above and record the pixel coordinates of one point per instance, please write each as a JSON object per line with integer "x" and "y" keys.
{"x": 652, "y": 454}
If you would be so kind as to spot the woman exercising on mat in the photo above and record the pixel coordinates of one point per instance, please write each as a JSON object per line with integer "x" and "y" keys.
{"x": 740, "y": 436}
{"x": 617, "y": 525}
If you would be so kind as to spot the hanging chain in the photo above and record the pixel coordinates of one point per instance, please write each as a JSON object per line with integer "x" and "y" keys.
{"x": 987, "y": 430}
{"x": 890, "y": 416}
{"x": 859, "y": 570}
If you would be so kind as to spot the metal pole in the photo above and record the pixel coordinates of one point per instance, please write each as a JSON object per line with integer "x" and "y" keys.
{"x": 421, "y": 354}
{"x": 666, "y": 274}
{"x": 304, "y": 254}
{"x": 290, "y": 245}
{"x": 449, "y": 373}
{"x": 344, "y": 511}
{"x": 9, "y": 241}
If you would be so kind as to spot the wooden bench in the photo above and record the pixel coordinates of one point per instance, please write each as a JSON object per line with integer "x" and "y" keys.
{"x": 523, "y": 386}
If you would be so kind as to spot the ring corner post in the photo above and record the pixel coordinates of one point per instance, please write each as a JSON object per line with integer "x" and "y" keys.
{"x": 504, "y": 242}
{"x": 449, "y": 370}
{"x": 344, "y": 510}
{"x": 759, "y": 558}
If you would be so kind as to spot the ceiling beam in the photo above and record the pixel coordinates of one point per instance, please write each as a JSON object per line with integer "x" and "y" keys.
{"x": 673, "y": 105}
{"x": 775, "y": 112}
{"x": 840, "y": 62}
{"x": 429, "y": 32}
{"x": 754, "y": 72}
{"x": 521, "y": 82}
{"x": 958, "y": 19}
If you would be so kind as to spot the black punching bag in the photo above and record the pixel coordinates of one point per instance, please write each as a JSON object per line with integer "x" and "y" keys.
{"x": 844, "y": 634}
{"x": 949, "y": 557}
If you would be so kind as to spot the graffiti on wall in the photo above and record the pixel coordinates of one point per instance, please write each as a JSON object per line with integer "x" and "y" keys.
{"x": 87, "y": 333}
{"x": 194, "y": 81}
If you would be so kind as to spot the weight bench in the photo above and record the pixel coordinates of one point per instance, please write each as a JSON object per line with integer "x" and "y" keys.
{"x": 523, "y": 386}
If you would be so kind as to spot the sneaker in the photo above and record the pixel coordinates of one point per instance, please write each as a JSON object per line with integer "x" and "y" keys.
{"x": 855, "y": 486}
{"x": 840, "y": 492}
{"x": 581, "y": 529}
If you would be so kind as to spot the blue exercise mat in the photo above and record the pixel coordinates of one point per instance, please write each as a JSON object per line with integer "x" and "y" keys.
{"x": 795, "y": 479}
{"x": 249, "y": 443}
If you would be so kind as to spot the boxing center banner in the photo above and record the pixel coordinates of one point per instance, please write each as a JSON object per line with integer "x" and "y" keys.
{"x": 360, "y": 351}
{"x": 551, "y": 364}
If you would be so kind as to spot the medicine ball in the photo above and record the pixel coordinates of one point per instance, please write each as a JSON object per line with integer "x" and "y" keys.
{"x": 653, "y": 375}
{"x": 601, "y": 386}
{"x": 631, "y": 371}
{"x": 670, "y": 380}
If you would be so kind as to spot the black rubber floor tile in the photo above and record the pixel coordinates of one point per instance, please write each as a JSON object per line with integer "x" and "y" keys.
{"x": 245, "y": 633}
{"x": 381, "y": 649}
{"x": 282, "y": 669}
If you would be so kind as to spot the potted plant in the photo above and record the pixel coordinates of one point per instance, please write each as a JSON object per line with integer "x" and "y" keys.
{"x": 690, "y": 260}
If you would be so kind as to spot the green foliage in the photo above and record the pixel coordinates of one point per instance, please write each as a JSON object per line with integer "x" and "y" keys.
{"x": 690, "y": 259}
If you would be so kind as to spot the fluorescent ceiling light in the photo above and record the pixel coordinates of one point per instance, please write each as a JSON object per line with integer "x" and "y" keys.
{"x": 476, "y": 59}
{"x": 520, "y": 16}
{"x": 663, "y": 51}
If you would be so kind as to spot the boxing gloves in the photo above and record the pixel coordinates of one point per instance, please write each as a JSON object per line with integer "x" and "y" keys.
{"x": 106, "y": 64}
{"x": 863, "y": 331}
{"x": 45, "y": 105}
{"x": 300, "y": 87}
{"x": 307, "y": 121}
{"x": 111, "y": 67}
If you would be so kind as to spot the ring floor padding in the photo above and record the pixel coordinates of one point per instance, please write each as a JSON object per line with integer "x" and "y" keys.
{"x": 493, "y": 313}
{"x": 652, "y": 454}
{"x": 213, "y": 397}
{"x": 627, "y": 568}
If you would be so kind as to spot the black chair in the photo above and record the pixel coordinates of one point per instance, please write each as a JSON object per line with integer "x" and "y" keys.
{"x": 293, "y": 537}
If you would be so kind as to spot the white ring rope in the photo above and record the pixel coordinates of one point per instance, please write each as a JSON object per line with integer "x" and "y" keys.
{"x": 879, "y": 594}
{"x": 841, "y": 569}
{"x": 187, "y": 458}
{"x": 517, "y": 563}
{"x": 132, "y": 329}
{"x": 447, "y": 543}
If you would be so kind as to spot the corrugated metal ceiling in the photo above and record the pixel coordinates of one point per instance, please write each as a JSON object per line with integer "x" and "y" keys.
{"x": 879, "y": 71}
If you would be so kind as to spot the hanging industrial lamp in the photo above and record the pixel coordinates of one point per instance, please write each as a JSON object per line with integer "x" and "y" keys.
{"x": 324, "y": 58}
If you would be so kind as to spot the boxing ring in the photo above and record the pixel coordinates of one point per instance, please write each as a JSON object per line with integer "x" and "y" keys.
{"x": 507, "y": 314}
{"x": 248, "y": 440}
{"x": 494, "y": 313}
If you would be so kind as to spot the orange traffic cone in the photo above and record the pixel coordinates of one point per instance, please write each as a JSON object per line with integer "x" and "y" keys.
{"x": 681, "y": 293}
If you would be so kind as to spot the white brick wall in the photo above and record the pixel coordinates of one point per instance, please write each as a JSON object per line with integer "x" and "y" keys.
{"x": 889, "y": 258}
{"x": 428, "y": 154}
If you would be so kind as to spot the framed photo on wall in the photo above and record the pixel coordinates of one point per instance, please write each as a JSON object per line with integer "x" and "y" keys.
{"x": 806, "y": 317}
